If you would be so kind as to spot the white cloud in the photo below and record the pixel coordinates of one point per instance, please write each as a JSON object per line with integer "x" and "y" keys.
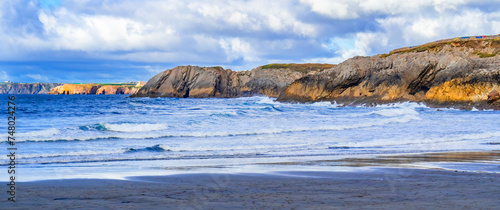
{"x": 236, "y": 48}
{"x": 224, "y": 32}
{"x": 334, "y": 9}
{"x": 38, "y": 77}
{"x": 351, "y": 9}
{"x": 4, "y": 76}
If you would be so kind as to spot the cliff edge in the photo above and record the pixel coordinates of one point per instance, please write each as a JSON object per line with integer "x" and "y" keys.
{"x": 455, "y": 72}
{"x": 26, "y": 88}
{"x": 97, "y": 89}
{"x": 204, "y": 82}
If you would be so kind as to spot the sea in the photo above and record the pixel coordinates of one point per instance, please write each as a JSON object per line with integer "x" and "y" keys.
{"x": 115, "y": 137}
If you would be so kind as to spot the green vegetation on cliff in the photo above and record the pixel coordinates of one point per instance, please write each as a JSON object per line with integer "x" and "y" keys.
{"x": 302, "y": 68}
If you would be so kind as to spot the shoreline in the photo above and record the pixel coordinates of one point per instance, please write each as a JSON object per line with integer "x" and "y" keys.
{"x": 341, "y": 101}
{"x": 380, "y": 188}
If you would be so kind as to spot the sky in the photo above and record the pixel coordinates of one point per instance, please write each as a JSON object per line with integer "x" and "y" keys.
{"x": 130, "y": 40}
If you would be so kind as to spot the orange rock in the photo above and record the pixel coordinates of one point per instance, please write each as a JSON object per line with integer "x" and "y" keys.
{"x": 493, "y": 96}
{"x": 70, "y": 89}
{"x": 107, "y": 90}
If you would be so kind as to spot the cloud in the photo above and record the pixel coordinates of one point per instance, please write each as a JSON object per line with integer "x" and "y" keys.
{"x": 4, "y": 76}
{"x": 38, "y": 77}
{"x": 235, "y": 34}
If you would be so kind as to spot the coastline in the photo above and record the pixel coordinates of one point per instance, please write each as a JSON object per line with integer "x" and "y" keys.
{"x": 374, "y": 189}
{"x": 394, "y": 181}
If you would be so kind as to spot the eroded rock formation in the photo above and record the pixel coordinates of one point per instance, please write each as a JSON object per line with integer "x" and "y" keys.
{"x": 27, "y": 88}
{"x": 203, "y": 82}
{"x": 461, "y": 72}
{"x": 84, "y": 89}
{"x": 115, "y": 89}
{"x": 71, "y": 89}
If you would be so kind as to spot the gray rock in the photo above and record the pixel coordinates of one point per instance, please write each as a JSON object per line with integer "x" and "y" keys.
{"x": 449, "y": 73}
{"x": 204, "y": 82}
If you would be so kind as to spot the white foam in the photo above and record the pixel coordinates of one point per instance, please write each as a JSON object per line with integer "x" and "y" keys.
{"x": 406, "y": 104}
{"x": 326, "y": 104}
{"x": 78, "y": 153}
{"x": 41, "y": 133}
{"x": 224, "y": 113}
{"x": 134, "y": 127}
{"x": 395, "y": 112}
{"x": 267, "y": 100}
{"x": 148, "y": 131}
{"x": 423, "y": 141}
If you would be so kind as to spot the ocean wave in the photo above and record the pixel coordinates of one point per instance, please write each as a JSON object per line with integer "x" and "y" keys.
{"x": 267, "y": 100}
{"x": 224, "y": 114}
{"x": 326, "y": 104}
{"x": 158, "y": 131}
{"x": 423, "y": 141}
{"x": 124, "y": 127}
{"x": 78, "y": 153}
{"x": 395, "y": 112}
{"x": 272, "y": 101}
{"x": 155, "y": 148}
{"x": 40, "y": 133}
{"x": 406, "y": 104}
{"x": 134, "y": 127}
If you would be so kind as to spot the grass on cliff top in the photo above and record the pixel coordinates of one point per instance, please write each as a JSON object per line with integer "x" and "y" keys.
{"x": 303, "y": 68}
{"x": 436, "y": 46}
{"x": 486, "y": 55}
{"x": 124, "y": 84}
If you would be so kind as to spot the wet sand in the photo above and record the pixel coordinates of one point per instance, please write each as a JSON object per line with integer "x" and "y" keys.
{"x": 383, "y": 188}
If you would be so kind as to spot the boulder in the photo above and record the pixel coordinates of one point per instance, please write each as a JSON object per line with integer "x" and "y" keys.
{"x": 493, "y": 96}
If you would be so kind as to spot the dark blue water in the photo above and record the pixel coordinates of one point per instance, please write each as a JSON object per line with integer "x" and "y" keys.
{"x": 99, "y": 136}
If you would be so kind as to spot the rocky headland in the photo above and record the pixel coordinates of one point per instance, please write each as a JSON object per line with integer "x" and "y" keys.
{"x": 461, "y": 72}
{"x": 204, "y": 82}
{"x": 26, "y": 88}
{"x": 97, "y": 89}
{"x": 458, "y": 73}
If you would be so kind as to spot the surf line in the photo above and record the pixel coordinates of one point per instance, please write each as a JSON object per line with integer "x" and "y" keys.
{"x": 11, "y": 149}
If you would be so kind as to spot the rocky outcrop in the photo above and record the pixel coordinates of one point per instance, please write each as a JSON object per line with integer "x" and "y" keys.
{"x": 26, "y": 88}
{"x": 85, "y": 89}
{"x": 493, "y": 96}
{"x": 203, "y": 82}
{"x": 190, "y": 81}
{"x": 115, "y": 89}
{"x": 75, "y": 89}
{"x": 458, "y": 72}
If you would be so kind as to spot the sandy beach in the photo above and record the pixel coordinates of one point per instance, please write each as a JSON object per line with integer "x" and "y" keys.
{"x": 382, "y": 188}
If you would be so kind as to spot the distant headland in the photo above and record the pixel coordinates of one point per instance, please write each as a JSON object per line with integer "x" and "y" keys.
{"x": 70, "y": 88}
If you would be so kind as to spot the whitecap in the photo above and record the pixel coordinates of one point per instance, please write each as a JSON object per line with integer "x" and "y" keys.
{"x": 395, "y": 112}
{"x": 134, "y": 127}
{"x": 40, "y": 133}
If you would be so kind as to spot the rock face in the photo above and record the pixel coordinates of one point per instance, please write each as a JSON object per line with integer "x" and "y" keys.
{"x": 493, "y": 96}
{"x": 27, "y": 88}
{"x": 70, "y": 89}
{"x": 455, "y": 72}
{"x": 115, "y": 89}
{"x": 203, "y": 82}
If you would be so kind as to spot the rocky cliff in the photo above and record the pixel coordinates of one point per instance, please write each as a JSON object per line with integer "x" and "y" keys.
{"x": 203, "y": 82}
{"x": 84, "y": 89}
{"x": 115, "y": 89}
{"x": 26, "y": 88}
{"x": 455, "y": 73}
